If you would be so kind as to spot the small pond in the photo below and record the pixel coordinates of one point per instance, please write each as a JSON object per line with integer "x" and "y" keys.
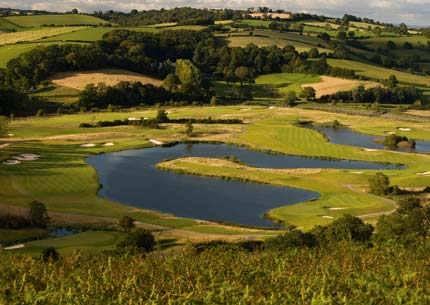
{"x": 130, "y": 177}
{"x": 346, "y": 136}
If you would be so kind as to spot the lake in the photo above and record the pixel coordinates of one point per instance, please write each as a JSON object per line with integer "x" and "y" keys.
{"x": 130, "y": 177}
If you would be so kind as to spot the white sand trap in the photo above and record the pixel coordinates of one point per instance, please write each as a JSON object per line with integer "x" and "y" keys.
{"x": 369, "y": 149}
{"x": 391, "y": 132}
{"x": 88, "y": 145}
{"x": 328, "y": 217}
{"x": 357, "y": 173}
{"x": 134, "y": 119}
{"x": 336, "y": 209}
{"x": 109, "y": 144}
{"x": 424, "y": 174}
{"x": 27, "y": 157}
{"x": 10, "y": 134}
{"x": 20, "y": 246}
{"x": 156, "y": 142}
{"x": 12, "y": 162}
{"x": 404, "y": 129}
{"x": 270, "y": 108}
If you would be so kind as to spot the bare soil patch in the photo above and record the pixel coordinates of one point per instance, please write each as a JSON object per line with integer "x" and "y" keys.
{"x": 330, "y": 85}
{"x": 111, "y": 77}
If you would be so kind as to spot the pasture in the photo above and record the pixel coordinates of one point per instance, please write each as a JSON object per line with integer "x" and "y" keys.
{"x": 110, "y": 77}
{"x": 37, "y": 21}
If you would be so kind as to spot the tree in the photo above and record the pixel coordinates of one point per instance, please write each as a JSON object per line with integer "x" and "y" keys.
{"x": 346, "y": 228}
{"x": 308, "y": 93}
{"x": 38, "y": 214}
{"x": 74, "y": 11}
{"x": 171, "y": 83}
{"x": 162, "y": 116}
{"x": 189, "y": 76}
{"x": 290, "y": 98}
{"x": 244, "y": 74}
{"x": 139, "y": 239}
{"x": 391, "y": 45}
{"x": 392, "y": 82}
{"x": 314, "y": 53}
{"x": 127, "y": 223}
{"x": 341, "y": 35}
{"x": 379, "y": 184}
{"x": 3, "y": 126}
{"x": 189, "y": 129}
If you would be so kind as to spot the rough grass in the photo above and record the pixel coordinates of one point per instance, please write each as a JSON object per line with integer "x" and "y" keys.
{"x": 110, "y": 77}
{"x": 59, "y": 19}
{"x": 379, "y": 73}
{"x": 85, "y": 242}
{"x": 284, "y": 82}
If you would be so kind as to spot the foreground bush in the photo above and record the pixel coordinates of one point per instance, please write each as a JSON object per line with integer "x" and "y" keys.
{"x": 345, "y": 274}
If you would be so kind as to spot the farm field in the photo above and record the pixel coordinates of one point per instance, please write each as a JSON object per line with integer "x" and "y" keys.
{"x": 375, "y": 72}
{"x": 375, "y": 43}
{"x": 78, "y": 80}
{"x": 331, "y": 85}
{"x": 60, "y": 19}
{"x": 26, "y": 36}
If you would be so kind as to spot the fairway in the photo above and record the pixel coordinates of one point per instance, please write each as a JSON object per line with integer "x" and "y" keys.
{"x": 110, "y": 77}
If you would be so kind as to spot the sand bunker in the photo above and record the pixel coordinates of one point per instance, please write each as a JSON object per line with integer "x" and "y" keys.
{"x": 404, "y": 129}
{"x": 12, "y": 162}
{"x": 424, "y": 174}
{"x": 156, "y": 142}
{"x": 20, "y": 246}
{"x": 88, "y": 145}
{"x": 391, "y": 132}
{"x": 369, "y": 149}
{"x": 27, "y": 157}
{"x": 111, "y": 77}
{"x": 134, "y": 119}
{"x": 331, "y": 85}
{"x": 328, "y": 217}
{"x": 109, "y": 144}
{"x": 357, "y": 173}
{"x": 336, "y": 209}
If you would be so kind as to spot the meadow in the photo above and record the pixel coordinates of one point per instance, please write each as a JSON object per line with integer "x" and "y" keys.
{"x": 26, "y": 36}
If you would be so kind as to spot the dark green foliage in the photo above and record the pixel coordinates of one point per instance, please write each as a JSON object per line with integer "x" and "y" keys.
{"x": 308, "y": 93}
{"x": 292, "y": 239}
{"x": 189, "y": 129}
{"x": 162, "y": 116}
{"x": 38, "y": 214}
{"x": 346, "y": 228}
{"x": 50, "y": 255}
{"x": 12, "y": 101}
{"x": 392, "y": 82}
{"x": 395, "y": 95}
{"x": 379, "y": 184}
{"x": 127, "y": 223}
{"x": 139, "y": 240}
{"x": 407, "y": 225}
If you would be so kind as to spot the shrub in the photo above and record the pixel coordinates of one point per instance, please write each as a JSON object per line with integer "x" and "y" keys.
{"x": 292, "y": 239}
{"x": 38, "y": 214}
{"x": 50, "y": 255}
{"x": 379, "y": 184}
{"x": 140, "y": 240}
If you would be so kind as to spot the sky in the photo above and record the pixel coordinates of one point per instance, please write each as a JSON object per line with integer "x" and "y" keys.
{"x": 411, "y": 12}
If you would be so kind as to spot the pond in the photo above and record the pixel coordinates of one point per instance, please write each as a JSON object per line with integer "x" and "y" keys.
{"x": 130, "y": 177}
{"x": 346, "y": 136}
